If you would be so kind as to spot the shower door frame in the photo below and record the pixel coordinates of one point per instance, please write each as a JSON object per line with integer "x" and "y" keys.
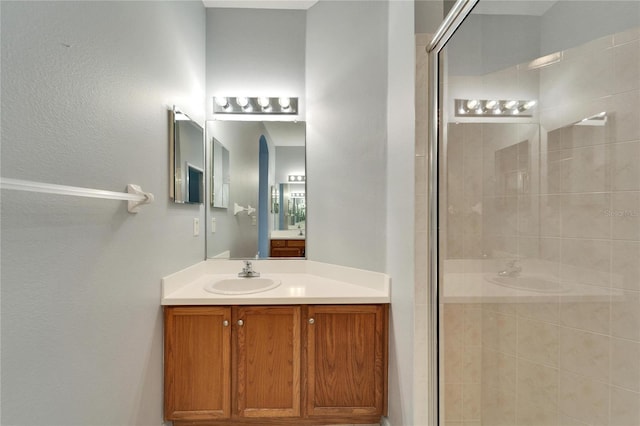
{"x": 456, "y": 16}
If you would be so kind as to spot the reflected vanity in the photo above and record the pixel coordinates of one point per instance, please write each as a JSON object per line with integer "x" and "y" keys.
{"x": 257, "y": 202}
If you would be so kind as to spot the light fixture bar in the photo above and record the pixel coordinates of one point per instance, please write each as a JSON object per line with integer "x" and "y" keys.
{"x": 297, "y": 178}
{"x": 257, "y": 105}
{"x": 494, "y": 108}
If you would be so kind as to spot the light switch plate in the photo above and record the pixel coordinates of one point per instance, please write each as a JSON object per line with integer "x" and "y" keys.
{"x": 196, "y": 226}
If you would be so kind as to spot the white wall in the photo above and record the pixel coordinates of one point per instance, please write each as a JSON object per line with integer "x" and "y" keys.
{"x": 85, "y": 91}
{"x": 400, "y": 211}
{"x": 346, "y": 132}
{"x": 429, "y": 14}
{"x": 289, "y": 160}
{"x": 255, "y": 52}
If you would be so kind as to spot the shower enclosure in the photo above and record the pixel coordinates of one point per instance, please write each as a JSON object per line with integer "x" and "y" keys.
{"x": 535, "y": 213}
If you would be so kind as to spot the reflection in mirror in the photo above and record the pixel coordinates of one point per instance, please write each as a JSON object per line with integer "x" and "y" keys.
{"x": 260, "y": 157}
{"x": 220, "y": 177}
{"x": 293, "y": 216}
{"x": 187, "y": 159}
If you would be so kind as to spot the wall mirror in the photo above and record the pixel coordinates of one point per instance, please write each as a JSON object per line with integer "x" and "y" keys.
{"x": 263, "y": 211}
{"x": 186, "y": 152}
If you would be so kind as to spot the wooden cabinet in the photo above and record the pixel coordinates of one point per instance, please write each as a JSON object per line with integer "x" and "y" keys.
{"x": 295, "y": 365}
{"x": 268, "y": 367}
{"x": 287, "y": 248}
{"x": 197, "y": 363}
{"x": 347, "y": 366}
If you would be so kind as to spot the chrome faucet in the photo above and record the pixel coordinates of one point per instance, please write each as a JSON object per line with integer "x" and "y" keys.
{"x": 513, "y": 269}
{"x": 247, "y": 271}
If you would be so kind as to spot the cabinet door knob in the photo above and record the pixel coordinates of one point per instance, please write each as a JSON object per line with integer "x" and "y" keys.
{"x": 225, "y": 323}
{"x": 311, "y": 320}
{"x": 240, "y": 323}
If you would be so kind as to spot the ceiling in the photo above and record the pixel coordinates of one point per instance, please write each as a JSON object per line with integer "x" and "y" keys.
{"x": 261, "y": 4}
{"x": 513, "y": 7}
{"x": 286, "y": 133}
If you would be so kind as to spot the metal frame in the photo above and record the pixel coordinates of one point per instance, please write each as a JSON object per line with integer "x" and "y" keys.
{"x": 457, "y": 14}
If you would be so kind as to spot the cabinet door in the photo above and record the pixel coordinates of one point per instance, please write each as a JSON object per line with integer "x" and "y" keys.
{"x": 197, "y": 361}
{"x": 347, "y": 360}
{"x": 268, "y": 366}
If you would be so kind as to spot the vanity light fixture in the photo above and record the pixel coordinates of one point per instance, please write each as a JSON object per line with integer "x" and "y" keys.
{"x": 255, "y": 105}
{"x": 242, "y": 101}
{"x": 494, "y": 108}
{"x": 264, "y": 102}
{"x": 297, "y": 178}
{"x": 285, "y": 103}
{"x": 297, "y": 195}
{"x": 222, "y": 102}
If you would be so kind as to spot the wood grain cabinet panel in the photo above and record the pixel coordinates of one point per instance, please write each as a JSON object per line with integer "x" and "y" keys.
{"x": 268, "y": 353}
{"x": 287, "y": 248}
{"x": 197, "y": 363}
{"x": 347, "y": 367}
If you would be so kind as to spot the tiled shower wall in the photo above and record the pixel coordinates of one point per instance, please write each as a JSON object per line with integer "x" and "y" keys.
{"x": 565, "y": 199}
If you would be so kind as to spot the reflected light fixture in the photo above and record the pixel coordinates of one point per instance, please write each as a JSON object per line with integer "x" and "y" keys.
{"x": 510, "y": 104}
{"x": 472, "y": 104}
{"x": 255, "y": 105}
{"x": 296, "y": 178}
{"x": 494, "y": 107}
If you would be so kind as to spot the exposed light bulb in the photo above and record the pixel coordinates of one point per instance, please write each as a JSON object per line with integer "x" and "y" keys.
{"x": 510, "y": 104}
{"x": 284, "y": 103}
{"x": 529, "y": 104}
{"x": 472, "y": 104}
{"x": 242, "y": 101}
{"x": 263, "y": 102}
{"x": 491, "y": 104}
{"x": 222, "y": 101}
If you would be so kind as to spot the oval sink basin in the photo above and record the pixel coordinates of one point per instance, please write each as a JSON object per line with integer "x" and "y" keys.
{"x": 241, "y": 285}
{"x": 529, "y": 282}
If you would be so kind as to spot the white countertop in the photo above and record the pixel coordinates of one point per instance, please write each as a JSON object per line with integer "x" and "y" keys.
{"x": 302, "y": 282}
{"x": 291, "y": 234}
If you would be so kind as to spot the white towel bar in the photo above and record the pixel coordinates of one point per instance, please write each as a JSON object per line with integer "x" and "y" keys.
{"x": 134, "y": 195}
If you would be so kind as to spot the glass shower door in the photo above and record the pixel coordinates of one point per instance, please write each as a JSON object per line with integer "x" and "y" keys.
{"x": 539, "y": 215}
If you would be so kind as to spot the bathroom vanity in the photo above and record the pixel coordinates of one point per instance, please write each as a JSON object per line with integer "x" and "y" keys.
{"x": 312, "y": 351}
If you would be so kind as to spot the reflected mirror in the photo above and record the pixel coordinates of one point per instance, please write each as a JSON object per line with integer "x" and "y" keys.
{"x": 186, "y": 149}
{"x": 220, "y": 177}
{"x": 257, "y": 205}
